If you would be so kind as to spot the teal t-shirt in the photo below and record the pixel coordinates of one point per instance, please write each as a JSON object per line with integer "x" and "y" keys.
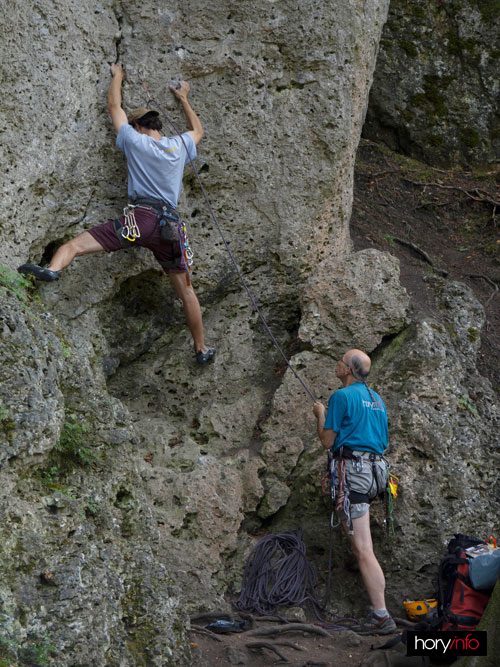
{"x": 359, "y": 421}
{"x": 155, "y": 168}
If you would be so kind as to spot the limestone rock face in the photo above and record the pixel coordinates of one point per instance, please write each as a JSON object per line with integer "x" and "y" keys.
{"x": 353, "y": 303}
{"x": 435, "y": 92}
{"x": 127, "y": 470}
{"x": 78, "y": 569}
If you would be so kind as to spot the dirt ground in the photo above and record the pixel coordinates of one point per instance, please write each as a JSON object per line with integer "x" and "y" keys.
{"x": 433, "y": 220}
{"x": 301, "y": 649}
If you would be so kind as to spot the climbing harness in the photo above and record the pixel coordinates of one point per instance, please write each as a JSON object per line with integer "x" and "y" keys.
{"x": 226, "y": 245}
{"x": 334, "y": 482}
{"x": 171, "y": 230}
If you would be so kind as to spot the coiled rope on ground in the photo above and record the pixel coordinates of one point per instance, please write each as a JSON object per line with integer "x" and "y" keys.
{"x": 278, "y": 573}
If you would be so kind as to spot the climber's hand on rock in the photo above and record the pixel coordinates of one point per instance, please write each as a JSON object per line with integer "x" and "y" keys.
{"x": 117, "y": 70}
{"x": 182, "y": 92}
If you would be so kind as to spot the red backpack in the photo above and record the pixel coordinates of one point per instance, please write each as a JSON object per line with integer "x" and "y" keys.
{"x": 460, "y": 606}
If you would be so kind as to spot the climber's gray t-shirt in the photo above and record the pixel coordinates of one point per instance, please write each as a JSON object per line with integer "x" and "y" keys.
{"x": 155, "y": 168}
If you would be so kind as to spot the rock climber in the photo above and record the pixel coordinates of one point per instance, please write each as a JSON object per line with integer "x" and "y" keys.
{"x": 155, "y": 166}
{"x": 355, "y": 431}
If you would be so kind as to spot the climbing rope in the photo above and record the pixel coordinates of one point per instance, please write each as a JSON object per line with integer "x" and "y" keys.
{"x": 214, "y": 218}
{"x": 278, "y": 573}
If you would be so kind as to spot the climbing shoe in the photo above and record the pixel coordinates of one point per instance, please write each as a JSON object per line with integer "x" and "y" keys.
{"x": 39, "y": 272}
{"x": 375, "y": 625}
{"x": 203, "y": 357}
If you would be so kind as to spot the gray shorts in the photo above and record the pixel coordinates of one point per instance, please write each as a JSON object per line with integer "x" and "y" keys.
{"x": 371, "y": 479}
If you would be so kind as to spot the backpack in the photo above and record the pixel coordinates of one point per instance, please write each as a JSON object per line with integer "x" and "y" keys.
{"x": 460, "y": 606}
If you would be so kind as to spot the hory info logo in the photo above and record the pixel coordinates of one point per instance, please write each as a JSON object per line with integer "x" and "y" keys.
{"x": 447, "y": 643}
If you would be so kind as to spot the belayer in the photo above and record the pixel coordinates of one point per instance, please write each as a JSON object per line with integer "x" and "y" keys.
{"x": 355, "y": 431}
{"x": 155, "y": 166}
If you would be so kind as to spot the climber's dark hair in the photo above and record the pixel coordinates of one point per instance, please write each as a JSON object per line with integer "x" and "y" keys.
{"x": 151, "y": 121}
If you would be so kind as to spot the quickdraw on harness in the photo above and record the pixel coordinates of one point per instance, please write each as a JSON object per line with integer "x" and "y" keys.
{"x": 130, "y": 230}
{"x": 186, "y": 248}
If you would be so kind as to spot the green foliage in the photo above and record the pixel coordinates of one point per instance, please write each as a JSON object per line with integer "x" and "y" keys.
{"x": 34, "y": 654}
{"x": 4, "y": 413}
{"x": 70, "y": 451}
{"x": 37, "y": 654}
{"x": 418, "y": 12}
{"x": 15, "y": 283}
{"x": 434, "y": 139}
{"x": 458, "y": 46}
{"x": 92, "y": 508}
{"x": 389, "y": 238}
{"x": 469, "y": 136}
{"x": 408, "y": 47}
{"x": 472, "y": 334}
{"x": 72, "y": 441}
{"x": 6, "y": 421}
{"x": 489, "y": 9}
{"x": 464, "y": 403}
{"x": 50, "y": 478}
{"x": 66, "y": 350}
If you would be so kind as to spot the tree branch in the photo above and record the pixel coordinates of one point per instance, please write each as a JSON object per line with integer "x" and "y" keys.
{"x": 289, "y": 627}
{"x": 479, "y": 193}
{"x": 270, "y": 647}
{"x": 422, "y": 253}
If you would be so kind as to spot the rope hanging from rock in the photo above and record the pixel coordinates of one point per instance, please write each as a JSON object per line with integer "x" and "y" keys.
{"x": 214, "y": 218}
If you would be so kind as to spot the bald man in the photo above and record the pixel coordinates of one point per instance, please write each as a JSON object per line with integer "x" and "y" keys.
{"x": 355, "y": 431}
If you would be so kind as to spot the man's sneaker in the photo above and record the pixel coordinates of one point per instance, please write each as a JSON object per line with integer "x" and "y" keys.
{"x": 39, "y": 272}
{"x": 203, "y": 357}
{"x": 375, "y": 625}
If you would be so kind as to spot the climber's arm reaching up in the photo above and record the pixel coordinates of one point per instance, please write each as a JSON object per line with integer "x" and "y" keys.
{"x": 118, "y": 115}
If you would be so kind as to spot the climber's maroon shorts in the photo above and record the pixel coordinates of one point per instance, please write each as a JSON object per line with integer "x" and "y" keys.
{"x": 145, "y": 218}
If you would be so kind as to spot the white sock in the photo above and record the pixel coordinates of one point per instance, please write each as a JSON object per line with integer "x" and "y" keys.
{"x": 381, "y": 612}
